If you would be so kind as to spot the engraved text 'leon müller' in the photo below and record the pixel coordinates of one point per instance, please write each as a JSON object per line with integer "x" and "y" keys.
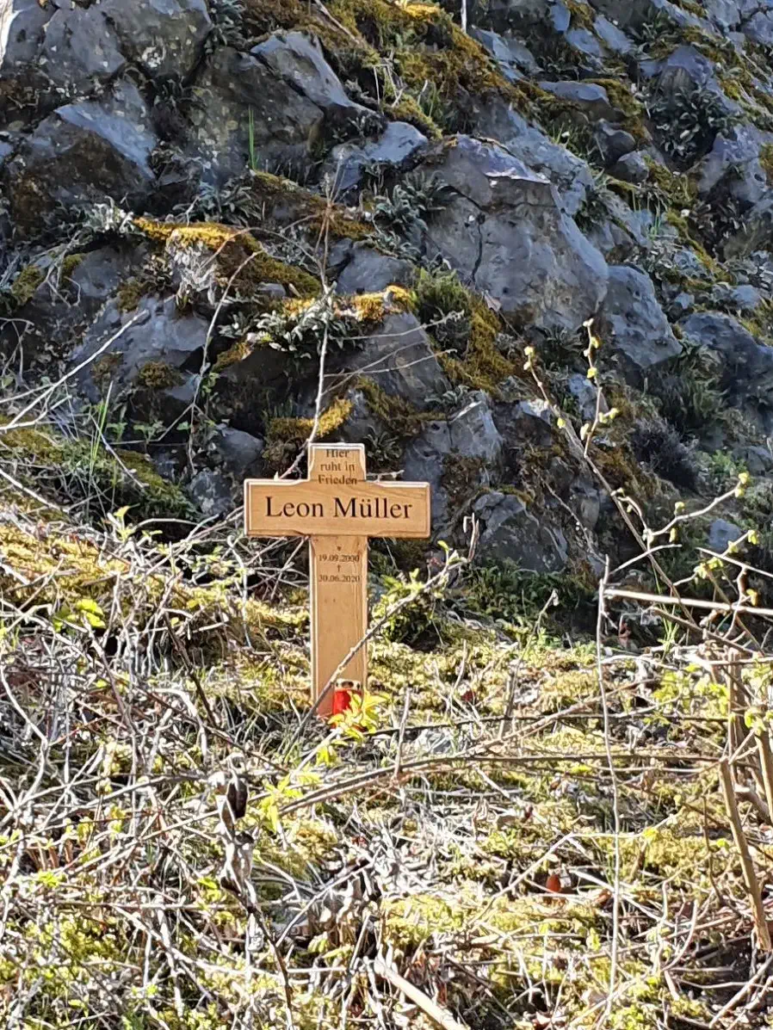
{"x": 342, "y": 508}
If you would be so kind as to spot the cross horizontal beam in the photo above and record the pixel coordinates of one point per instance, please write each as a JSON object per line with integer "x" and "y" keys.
{"x": 304, "y": 508}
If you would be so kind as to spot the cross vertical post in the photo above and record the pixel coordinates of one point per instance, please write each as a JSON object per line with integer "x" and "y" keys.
{"x": 339, "y": 583}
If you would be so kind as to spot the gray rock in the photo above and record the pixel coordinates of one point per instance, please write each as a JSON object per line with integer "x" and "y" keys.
{"x": 724, "y": 13}
{"x": 399, "y": 357}
{"x": 612, "y": 36}
{"x": 509, "y": 532}
{"x": 631, "y": 168}
{"x": 758, "y": 460}
{"x": 721, "y": 534}
{"x": 745, "y": 298}
{"x": 632, "y": 14}
{"x": 211, "y": 493}
{"x": 6, "y": 151}
{"x": 22, "y": 25}
{"x": 274, "y": 291}
{"x": 682, "y": 71}
{"x": 612, "y": 142}
{"x": 515, "y": 60}
{"x": 236, "y": 450}
{"x": 470, "y": 434}
{"x": 502, "y": 15}
{"x": 504, "y": 230}
{"x": 297, "y": 59}
{"x": 747, "y": 366}
{"x": 681, "y": 305}
{"x": 158, "y": 334}
{"x": 285, "y": 124}
{"x": 585, "y": 394}
{"x": 496, "y": 119}
{"x": 588, "y": 96}
{"x": 164, "y": 37}
{"x": 633, "y": 323}
{"x": 395, "y": 148}
{"x": 585, "y": 43}
{"x": 759, "y": 28}
{"x": 80, "y": 48}
{"x": 368, "y": 271}
{"x": 85, "y": 153}
{"x": 739, "y": 149}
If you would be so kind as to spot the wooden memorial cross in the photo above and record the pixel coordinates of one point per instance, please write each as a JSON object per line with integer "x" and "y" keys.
{"x": 338, "y": 510}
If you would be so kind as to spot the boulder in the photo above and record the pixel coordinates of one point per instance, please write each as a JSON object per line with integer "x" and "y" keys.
{"x": 612, "y": 142}
{"x": 158, "y": 343}
{"x": 235, "y": 92}
{"x": 588, "y": 45}
{"x": 632, "y": 14}
{"x": 369, "y": 271}
{"x": 758, "y": 460}
{"x": 759, "y": 28}
{"x": 633, "y": 324}
{"x": 400, "y": 359}
{"x": 163, "y": 37}
{"x": 541, "y": 15}
{"x": 296, "y": 58}
{"x": 85, "y": 153}
{"x": 68, "y": 297}
{"x": 612, "y": 36}
{"x": 514, "y": 59}
{"x": 22, "y": 27}
{"x": 725, "y": 14}
{"x": 721, "y": 534}
{"x": 238, "y": 452}
{"x": 740, "y": 148}
{"x": 591, "y": 98}
{"x": 504, "y": 230}
{"x": 573, "y": 177}
{"x": 393, "y": 150}
{"x": 80, "y": 49}
{"x": 632, "y": 168}
{"x": 455, "y": 457}
{"x": 585, "y": 394}
{"x": 684, "y": 70}
{"x": 747, "y": 366}
{"x": 510, "y": 532}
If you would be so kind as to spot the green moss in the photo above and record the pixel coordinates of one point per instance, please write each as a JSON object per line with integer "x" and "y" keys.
{"x": 238, "y": 352}
{"x": 26, "y": 283}
{"x": 158, "y": 375}
{"x": 482, "y": 366}
{"x": 240, "y": 259}
{"x": 680, "y": 191}
{"x": 461, "y": 478}
{"x": 130, "y": 293}
{"x": 310, "y": 210}
{"x": 398, "y": 414}
{"x": 70, "y": 263}
{"x": 297, "y": 430}
{"x": 582, "y": 14}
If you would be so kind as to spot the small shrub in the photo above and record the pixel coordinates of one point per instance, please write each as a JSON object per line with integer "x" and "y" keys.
{"x": 412, "y": 201}
{"x": 658, "y": 445}
{"x": 687, "y": 123}
{"x": 688, "y": 393}
{"x": 444, "y": 305}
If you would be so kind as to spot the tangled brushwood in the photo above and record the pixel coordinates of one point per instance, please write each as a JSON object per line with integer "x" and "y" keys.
{"x": 508, "y": 831}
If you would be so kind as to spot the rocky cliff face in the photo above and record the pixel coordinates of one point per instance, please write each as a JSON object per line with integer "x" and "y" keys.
{"x": 202, "y": 198}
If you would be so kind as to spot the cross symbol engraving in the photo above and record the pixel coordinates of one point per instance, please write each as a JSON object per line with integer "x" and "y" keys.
{"x": 338, "y": 510}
